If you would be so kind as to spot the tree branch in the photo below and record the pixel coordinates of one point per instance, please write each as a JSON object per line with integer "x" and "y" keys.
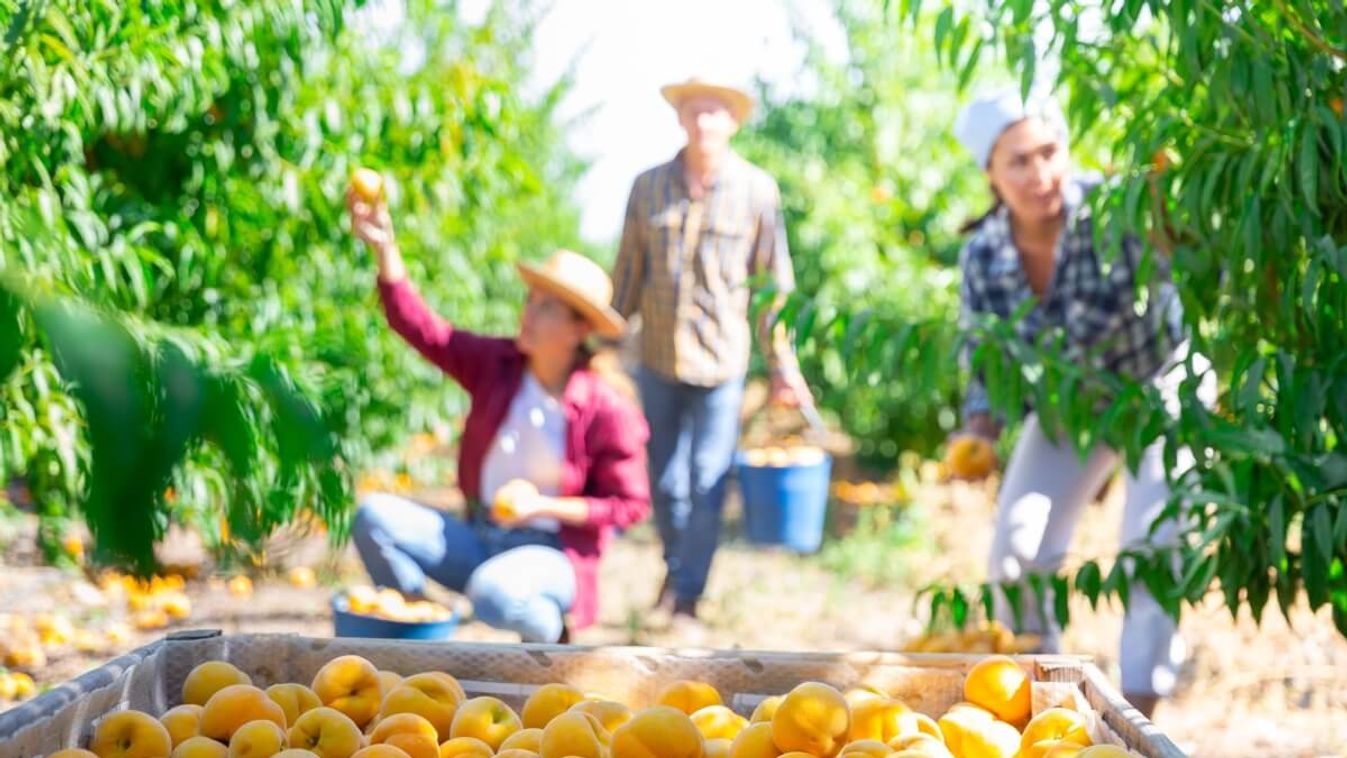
{"x": 1304, "y": 28}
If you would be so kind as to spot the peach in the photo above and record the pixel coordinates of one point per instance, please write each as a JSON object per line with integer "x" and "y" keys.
{"x": 717, "y": 722}
{"x": 433, "y": 696}
{"x": 813, "y": 718}
{"x": 351, "y": 685}
{"x": 182, "y": 722}
{"x": 573, "y": 734}
{"x": 409, "y": 732}
{"x": 294, "y": 699}
{"x": 609, "y": 713}
{"x": 660, "y": 731}
{"x": 234, "y": 706}
{"x": 689, "y": 696}
{"x": 466, "y": 747}
{"x": 524, "y": 739}
{"x": 486, "y": 718}
{"x": 327, "y": 732}
{"x": 200, "y": 747}
{"x": 257, "y": 739}
{"x": 547, "y": 702}
{"x": 755, "y": 742}
{"x": 209, "y": 678}
{"x": 130, "y": 734}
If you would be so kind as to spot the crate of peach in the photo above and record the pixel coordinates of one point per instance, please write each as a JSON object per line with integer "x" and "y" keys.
{"x": 205, "y": 695}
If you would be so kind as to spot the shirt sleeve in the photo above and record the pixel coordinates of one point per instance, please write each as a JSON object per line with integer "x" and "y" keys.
{"x": 972, "y": 303}
{"x": 629, "y": 268}
{"x": 618, "y": 490}
{"x": 457, "y": 352}
{"x": 771, "y": 255}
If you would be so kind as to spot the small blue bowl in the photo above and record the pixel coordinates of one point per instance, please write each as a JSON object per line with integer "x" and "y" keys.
{"x": 348, "y": 624}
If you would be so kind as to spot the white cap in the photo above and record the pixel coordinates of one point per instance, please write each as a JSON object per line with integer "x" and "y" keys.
{"x": 982, "y": 121}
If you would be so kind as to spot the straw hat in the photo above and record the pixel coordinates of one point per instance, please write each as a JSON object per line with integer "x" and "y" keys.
{"x": 580, "y": 283}
{"x": 739, "y": 102}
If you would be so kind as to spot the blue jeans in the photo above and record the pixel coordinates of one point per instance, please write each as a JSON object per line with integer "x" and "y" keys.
{"x": 693, "y": 435}
{"x": 517, "y": 579}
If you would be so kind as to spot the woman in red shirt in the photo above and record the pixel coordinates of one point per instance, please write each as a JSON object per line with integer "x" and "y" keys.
{"x": 546, "y": 436}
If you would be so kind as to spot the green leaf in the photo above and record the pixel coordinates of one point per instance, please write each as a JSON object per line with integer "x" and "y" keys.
{"x": 1061, "y": 600}
{"x": 1089, "y": 582}
{"x": 959, "y": 608}
{"x": 11, "y": 337}
{"x": 1117, "y": 583}
{"x": 1309, "y": 166}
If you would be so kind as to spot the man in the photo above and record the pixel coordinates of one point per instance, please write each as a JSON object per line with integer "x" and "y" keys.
{"x": 698, "y": 229}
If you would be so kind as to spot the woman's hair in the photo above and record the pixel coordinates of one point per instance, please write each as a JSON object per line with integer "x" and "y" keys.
{"x": 604, "y": 361}
{"x": 972, "y": 224}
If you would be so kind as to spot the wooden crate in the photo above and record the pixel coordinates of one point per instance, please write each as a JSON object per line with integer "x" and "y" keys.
{"x": 150, "y": 679}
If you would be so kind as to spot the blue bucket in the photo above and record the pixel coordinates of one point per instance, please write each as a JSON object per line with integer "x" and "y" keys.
{"x": 785, "y": 505}
{"x": 348, "y": 624}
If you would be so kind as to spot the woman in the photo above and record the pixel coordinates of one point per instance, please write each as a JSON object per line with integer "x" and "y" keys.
{"x": 1037, "y": 245}
{"x": 555, "y": 447}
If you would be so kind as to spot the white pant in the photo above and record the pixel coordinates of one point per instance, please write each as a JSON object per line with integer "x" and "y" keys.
{"x": 1045, "y": 490}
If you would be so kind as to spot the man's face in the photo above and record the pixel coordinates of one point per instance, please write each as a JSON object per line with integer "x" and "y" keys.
{"x": 708, "y": 123}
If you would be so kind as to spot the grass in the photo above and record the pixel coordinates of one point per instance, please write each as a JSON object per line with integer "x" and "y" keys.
{"x": 882, "y": 548}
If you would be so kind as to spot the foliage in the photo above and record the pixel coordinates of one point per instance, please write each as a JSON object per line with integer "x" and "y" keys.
{"x": 1228, "y": 127}
{"x": 874, "y": 189}
{"x": 191, "y": 332}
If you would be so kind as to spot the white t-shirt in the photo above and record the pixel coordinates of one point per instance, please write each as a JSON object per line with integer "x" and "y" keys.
{"x": 531, "y": 444}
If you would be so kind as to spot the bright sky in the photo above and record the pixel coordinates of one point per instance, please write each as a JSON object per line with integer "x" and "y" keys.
{"x": 625, "y": 50}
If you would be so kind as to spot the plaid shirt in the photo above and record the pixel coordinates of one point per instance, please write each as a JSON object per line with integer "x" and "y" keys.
{"x": 684, "y": 264}
{"x": 1090, "y": 303}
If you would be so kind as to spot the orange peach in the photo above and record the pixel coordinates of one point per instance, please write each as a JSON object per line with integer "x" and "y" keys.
{"x": 486, "y": 718}
{"x": 182, "y": 722}
{"x": 813, "y": 718}
{"x": 547, "y": 702}
{"x": 466, "y": 747}
{"x": 1054, "y": 724}
{"x": 294, "y": 699}
{"x": 351, "y": 685}
{"x": 234, "y": 706}
{"x": 200, "y": 747}
{"x": 327, "y": 732}
{"x": 755, "y": 742}
{"x": 434, "y": 696}
{"x": 257, "y": 739}
{"x": 411, "y": 733}
{"x": 524, "y": 739}
{"x": 766, "y": 709}
{"x": 574, "y": 734}
{"x": 661, "y": 731}
{"x": 380, "y": 751}
{"x": 877, "y": 718}
{"x": 209, "y": 678}
{"x": 866, "y": 749}
{"x": 130, "y": 734}
{"x": 998, "y": 684}
{"x": 717, "y": 722}
{"x": 689, "y": 696}
{"x": 610, "y": 714}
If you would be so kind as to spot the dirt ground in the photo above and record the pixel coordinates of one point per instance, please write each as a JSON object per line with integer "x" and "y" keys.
{"x": 1274, "y": 690}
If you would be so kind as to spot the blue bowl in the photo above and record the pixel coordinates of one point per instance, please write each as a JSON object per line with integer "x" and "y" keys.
{"x": 348, "y": 624}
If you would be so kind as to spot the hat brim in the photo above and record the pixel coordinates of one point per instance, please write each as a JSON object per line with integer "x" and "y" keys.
{"x": 740, "y": 103}
{"x": 607, "y": 322}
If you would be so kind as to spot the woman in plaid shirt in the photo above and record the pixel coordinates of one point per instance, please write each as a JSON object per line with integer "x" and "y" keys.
{"x": 1036, "y": 248}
